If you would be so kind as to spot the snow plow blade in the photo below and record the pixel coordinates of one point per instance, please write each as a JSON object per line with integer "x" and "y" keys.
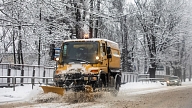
{"x": 53, "y": 89}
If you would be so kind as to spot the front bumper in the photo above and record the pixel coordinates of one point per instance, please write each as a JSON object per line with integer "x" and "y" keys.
{"x": 75, "y": 81}
{"x": 76, "y": 76}
{"x": 173, "y": 83}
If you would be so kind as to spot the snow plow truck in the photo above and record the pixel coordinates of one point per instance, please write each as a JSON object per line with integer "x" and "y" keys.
{"x": 87, "y": 65}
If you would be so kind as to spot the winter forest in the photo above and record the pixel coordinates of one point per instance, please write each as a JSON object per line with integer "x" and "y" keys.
{"x": 152, "y": 34}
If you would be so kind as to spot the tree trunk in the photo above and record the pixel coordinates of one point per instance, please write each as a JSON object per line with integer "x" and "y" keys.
{"x": 177, "y": 72}
{"x": 184, "y": 74}
{"x": 190, "y": 73}
{"x": 167, "y": 70}
{"x": 152, "y": 72}
{"x": 152, "y": 53}
{"x": 20, "y": 54}
{"x": 39, "y": 49}
{"x": 91, "y": 21}
{"x": 78, "y": 16}
{"x": 14, "y": 54}
{"x": 98, "y": 18}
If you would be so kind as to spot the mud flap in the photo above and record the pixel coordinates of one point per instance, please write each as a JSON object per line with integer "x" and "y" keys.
{"x": 58, "y": 90}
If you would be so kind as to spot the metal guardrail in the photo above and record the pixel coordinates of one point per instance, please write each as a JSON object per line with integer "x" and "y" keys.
{"x": 23, "y": 71}
{"x": 151, "y": 79}
{"x": 129, "y": 77}
{"x": 33, "y": 82}
{"x": 135, "y": 77}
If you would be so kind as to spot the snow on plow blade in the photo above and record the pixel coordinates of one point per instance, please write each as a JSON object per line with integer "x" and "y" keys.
{"x": 53, "y": 89}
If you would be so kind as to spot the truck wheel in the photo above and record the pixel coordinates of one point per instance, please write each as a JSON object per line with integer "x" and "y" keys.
{"x": 115, "y": 90}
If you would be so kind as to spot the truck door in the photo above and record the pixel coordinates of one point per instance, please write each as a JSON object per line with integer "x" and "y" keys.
{"x": 103, "y": 55}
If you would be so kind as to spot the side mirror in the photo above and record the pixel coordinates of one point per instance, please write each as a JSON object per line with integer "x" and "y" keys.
{"x": 109, "y": 52}
{"x": 109, "y": 56}
{"x": 52, "y": 51}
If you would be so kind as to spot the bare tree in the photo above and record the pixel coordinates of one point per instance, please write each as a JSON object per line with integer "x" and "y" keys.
{"x": 156, "y": 27}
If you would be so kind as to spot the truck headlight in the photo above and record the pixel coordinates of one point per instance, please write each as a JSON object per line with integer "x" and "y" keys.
{"x": 57, "y": 59}
{"x": 94, "y": 78}
{"x": 97, "y": 57}
{"x": 86, "y": 78}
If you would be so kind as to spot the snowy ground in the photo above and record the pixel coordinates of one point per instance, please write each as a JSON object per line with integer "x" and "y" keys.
{"x": 26, "y": 93}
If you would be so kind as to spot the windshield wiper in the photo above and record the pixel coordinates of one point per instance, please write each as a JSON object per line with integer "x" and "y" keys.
{"x": 80, "y": 60}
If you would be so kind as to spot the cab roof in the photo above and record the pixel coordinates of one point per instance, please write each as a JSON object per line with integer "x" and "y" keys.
{"x": 109, "y": 42}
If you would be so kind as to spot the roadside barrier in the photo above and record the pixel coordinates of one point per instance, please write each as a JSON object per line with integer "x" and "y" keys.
{"x": 14, "y": 83}
{"x": 13, "y": 74}
{"x": 24, "y": 73}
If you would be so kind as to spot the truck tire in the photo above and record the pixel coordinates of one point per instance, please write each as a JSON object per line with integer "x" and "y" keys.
{"x": 115, "y": 90}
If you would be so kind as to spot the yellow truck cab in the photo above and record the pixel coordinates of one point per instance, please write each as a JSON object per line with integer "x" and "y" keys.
{"x": 92, "y": 62}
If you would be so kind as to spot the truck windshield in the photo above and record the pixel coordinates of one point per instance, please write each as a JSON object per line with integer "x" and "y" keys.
{"x": 79, "y": 52}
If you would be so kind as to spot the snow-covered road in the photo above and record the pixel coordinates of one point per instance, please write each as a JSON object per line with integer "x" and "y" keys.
{"x": 24, "y": 96}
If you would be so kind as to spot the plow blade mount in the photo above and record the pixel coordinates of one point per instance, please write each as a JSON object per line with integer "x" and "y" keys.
{"x": 53, "y": 89}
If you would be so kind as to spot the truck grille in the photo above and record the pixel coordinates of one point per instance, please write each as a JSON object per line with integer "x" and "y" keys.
{"x": 73, "y": 76}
